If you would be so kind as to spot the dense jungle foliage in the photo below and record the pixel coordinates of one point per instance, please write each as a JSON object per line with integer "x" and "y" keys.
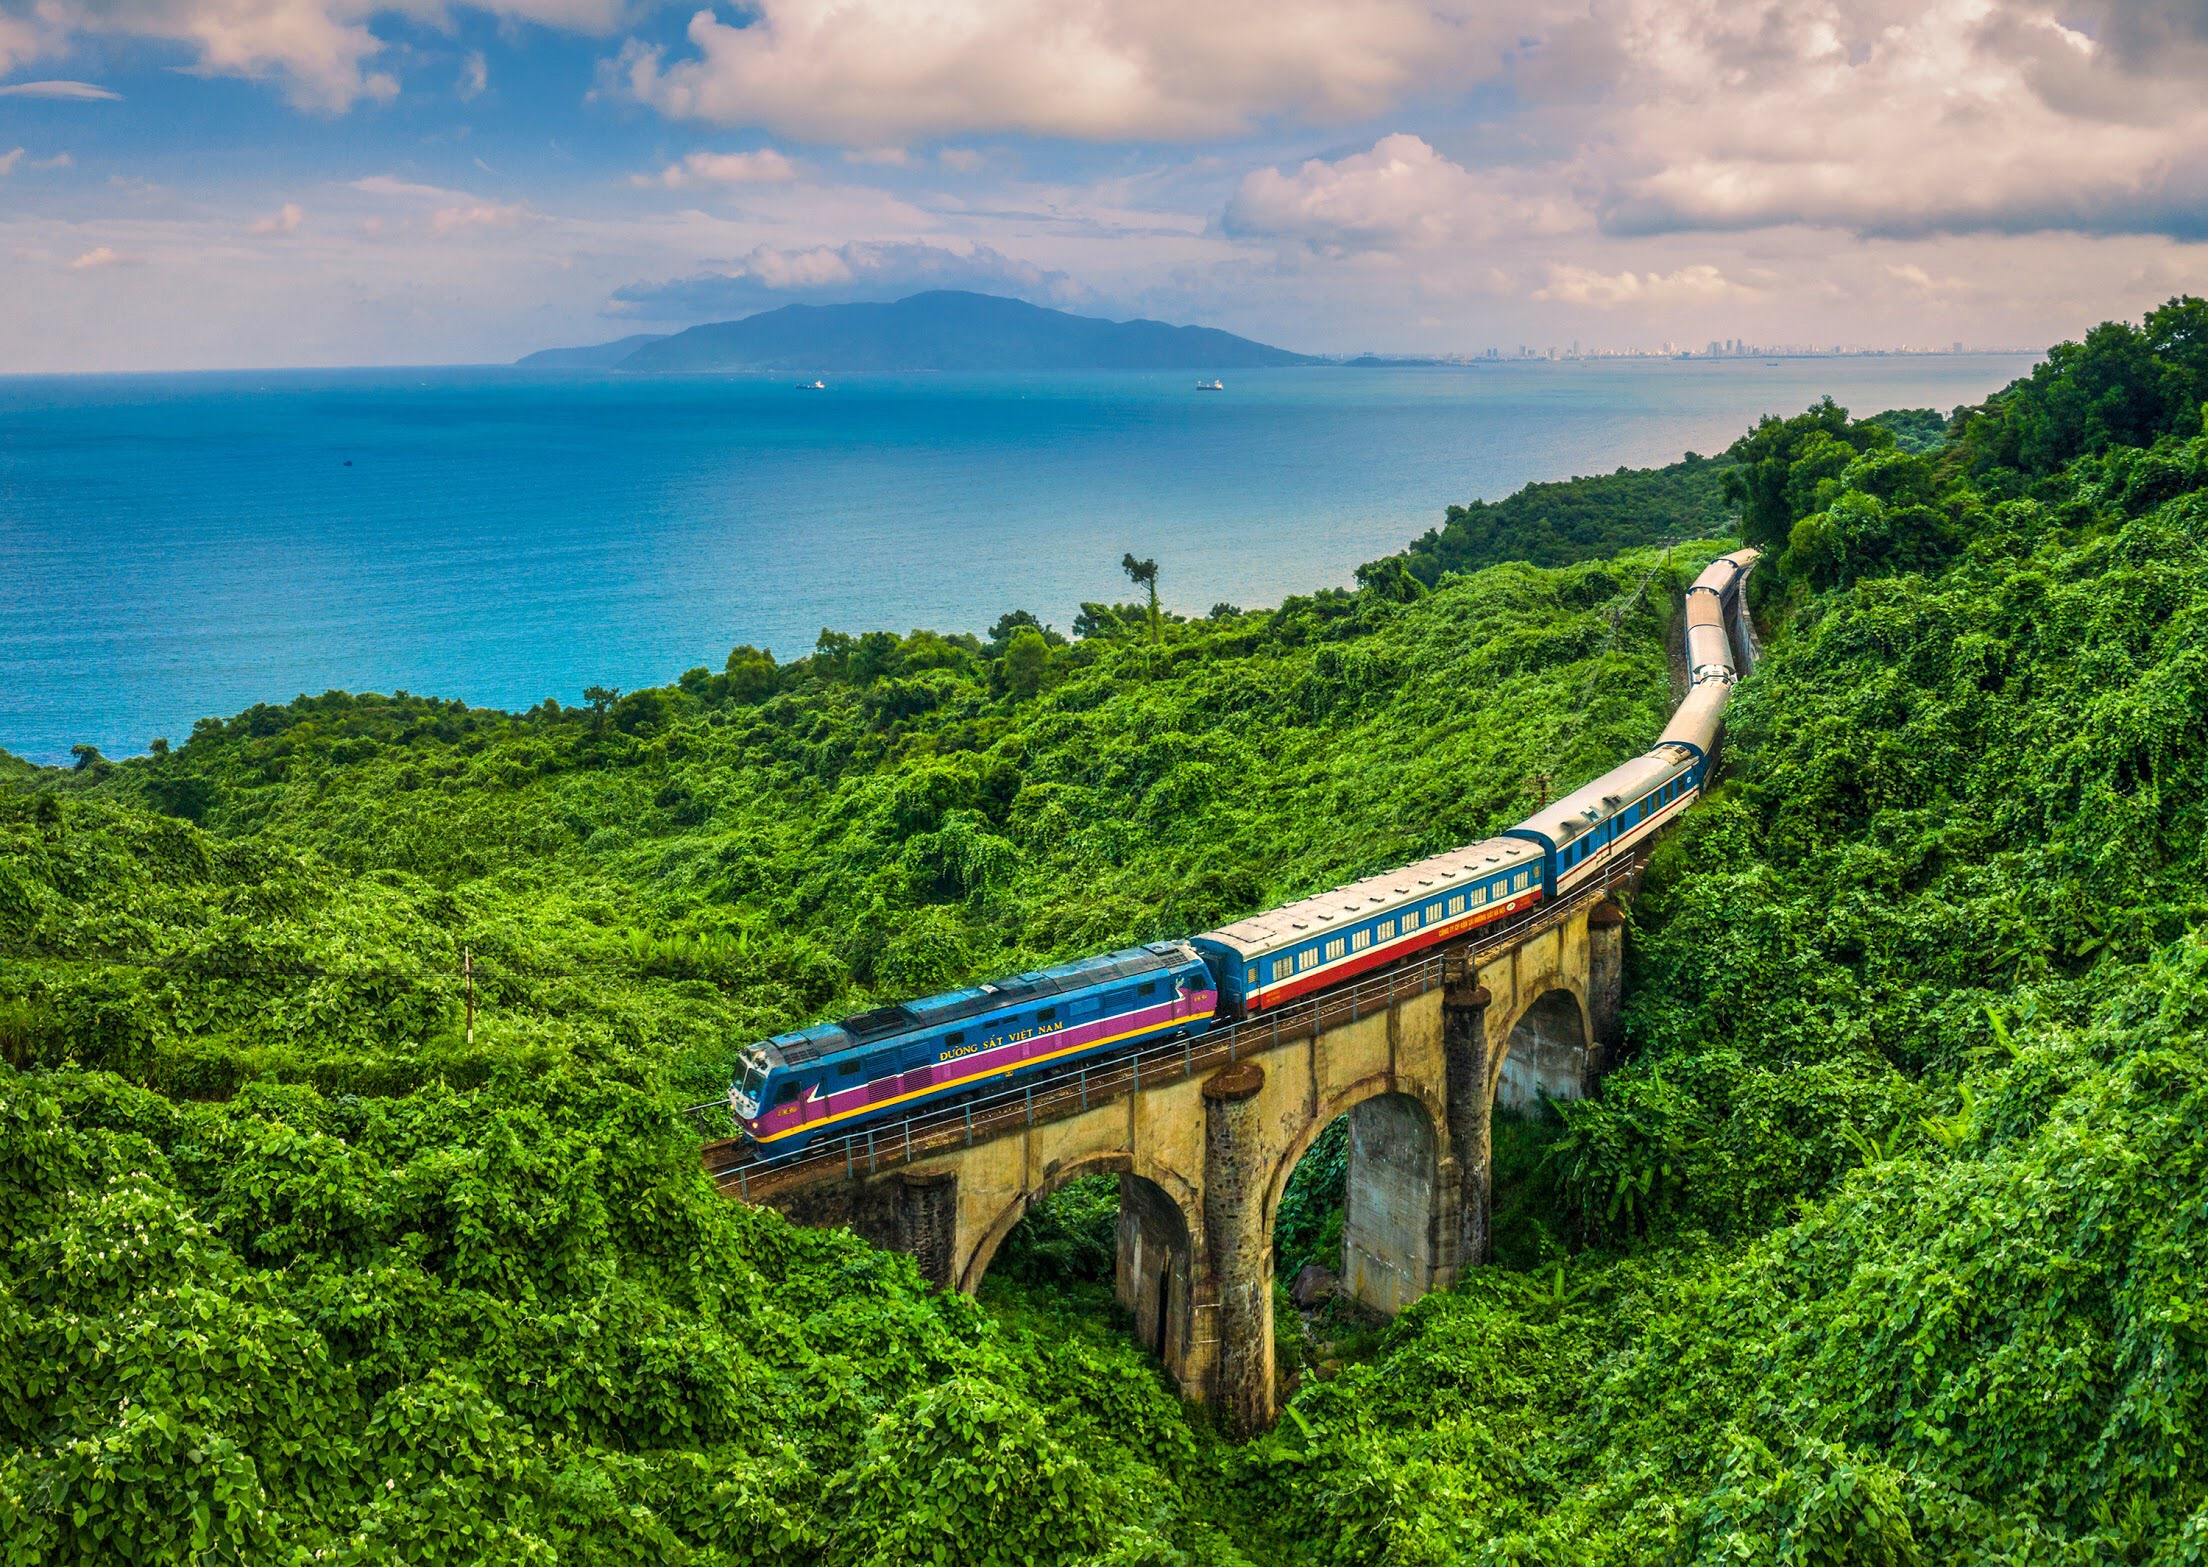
{"x": 1884, "y": 1245}
{"x": 294, "y": 1271}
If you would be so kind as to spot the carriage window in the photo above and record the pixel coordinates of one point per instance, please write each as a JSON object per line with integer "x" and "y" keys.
{"x": 1387, "y": 930}
{"x": 1283, "y": 967}
{"x": 1307, "y": 958}
{"x": 1252, "y": 979}
{"x": 1045, "y": 1014}
{"x": 788, "y": 1092}
{"x": 851, "y": 1068}
{"x": 1456, "y": 904}
{"x": 1148, "y": 987}
{"x": 1519, "y": 881}
{"x": 1410, "y": 919}
{"x": 1479, "y": 896}
{"x": 1334, "y": 949}
{"x": 1361, "y": 940}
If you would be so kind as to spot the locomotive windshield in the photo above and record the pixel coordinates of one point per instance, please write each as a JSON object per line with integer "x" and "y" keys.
{"x": 753, "y": 1075}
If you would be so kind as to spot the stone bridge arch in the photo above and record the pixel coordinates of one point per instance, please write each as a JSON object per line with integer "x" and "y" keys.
{"x": 1544, "y": 1049}
{"x": 1158, "y": 1263}
{"x": 1395, "y": 1195}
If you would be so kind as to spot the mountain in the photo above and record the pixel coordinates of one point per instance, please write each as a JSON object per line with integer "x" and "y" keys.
{"x": 599, "y": 356}
{"x": 947, "y": 330}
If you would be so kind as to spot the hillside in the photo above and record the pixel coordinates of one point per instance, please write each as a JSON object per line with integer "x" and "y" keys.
{"x": 596, "y": 356}
{"x": 948, "y": 330}
{"x": 1881, "y": 1247}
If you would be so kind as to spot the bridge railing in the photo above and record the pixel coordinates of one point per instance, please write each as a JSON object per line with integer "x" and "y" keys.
{"x": 889, "y": 1144}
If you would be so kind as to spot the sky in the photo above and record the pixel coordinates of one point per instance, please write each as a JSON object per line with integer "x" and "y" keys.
{"x": 245, "y": 183}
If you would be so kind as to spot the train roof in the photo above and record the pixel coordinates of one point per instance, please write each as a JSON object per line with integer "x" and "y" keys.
{"x": 1296, "y": 922}
{"x": 1596, "y": 802}
{"x": 803, "y": 1046}
{"x": 1721, "y": 573}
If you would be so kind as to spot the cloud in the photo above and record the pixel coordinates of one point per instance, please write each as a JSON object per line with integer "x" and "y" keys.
{"x": 477, "y": 215}
{"x": 823, "y": 274}
{"x": 83, "y": 92}
{"x": 962, "y": 160}
{"x": 764, "y": 167}
{"x": 475, "y": 75}
{"x": 1693, "y": 285}
{"x": 285, "y": 220}
{"x": 1400, "y": 193}
{"x": 8, "y": 161}
{"x": 322, "y": 54}
{"x": 392, "y": 185}
{"x": 856, "y": 72}
{"x": 100, "y": 256}
{"x": 888, "y": 157}
{"x": 455, "y": 211}
{"x": 1894, "y": 119}
{"x": 60, "y": 160}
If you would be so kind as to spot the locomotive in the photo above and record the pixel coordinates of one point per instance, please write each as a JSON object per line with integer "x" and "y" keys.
{"x": 834, "y": 1078}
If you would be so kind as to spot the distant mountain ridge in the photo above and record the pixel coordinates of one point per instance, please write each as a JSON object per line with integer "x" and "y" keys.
{"x": 598, "y": 356}
{"x": 943, "y": 330}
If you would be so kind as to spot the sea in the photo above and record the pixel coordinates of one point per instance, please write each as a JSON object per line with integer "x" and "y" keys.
{"x": 174, "y": 546}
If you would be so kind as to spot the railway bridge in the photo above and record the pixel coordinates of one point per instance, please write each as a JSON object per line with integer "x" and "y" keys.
{"x": 1204, "y": 1133}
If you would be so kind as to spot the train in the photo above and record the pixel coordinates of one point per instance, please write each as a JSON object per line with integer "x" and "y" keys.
{"x": 834, "y": 1078}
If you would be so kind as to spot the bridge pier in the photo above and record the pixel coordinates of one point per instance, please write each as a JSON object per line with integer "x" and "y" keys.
{"x": 1605, "y": 990}
{"x": 1241, "y": 1246}
{"x": 1471, "y": 1101}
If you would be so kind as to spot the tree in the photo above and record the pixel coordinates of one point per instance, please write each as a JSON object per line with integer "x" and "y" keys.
{"x": 1026, "y": 655}
{"x": 1144, "y": 574}
{"x": 87, "y": 756}
{"x": 1771, "y": 491}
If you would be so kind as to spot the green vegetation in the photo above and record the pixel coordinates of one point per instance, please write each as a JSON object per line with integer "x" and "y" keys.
{"x": 1576, "y": 519}
{"x": 348, "y": 1287}
{"x": 1883, "y": 1246}
{"x": 1894, "y": 1218}
{"x": 645, "y": 884}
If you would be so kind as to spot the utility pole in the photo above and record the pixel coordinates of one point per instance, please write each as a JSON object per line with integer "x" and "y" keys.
{"x": 467, "y": 983}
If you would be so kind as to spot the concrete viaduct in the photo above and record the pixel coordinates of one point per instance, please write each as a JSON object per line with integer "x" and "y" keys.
{"x": 1203, "y": 1136}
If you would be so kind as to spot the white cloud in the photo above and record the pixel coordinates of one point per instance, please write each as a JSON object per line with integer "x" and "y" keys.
{"x": 1691, "y": 285}
{"x": 477, "y": 215}
{"x": 392, "y": 185}
{"x": 821, "y": 274}
{"x": 453, "y": 211}
{"x": 60, "y": 160}
{"x": 1905, "y": 117}
{"x": 8, "y": 161}
{"x": 1400, "y": 193}
{"x": 99, "y": 256}
{"x": 83, "y": 92}
{"x": 962, "y": 160}
{"x": 888, "y": 157}
{"x": 853, "y": 72}
{"x": 321, "y": 53}
{"x": 475, "y": 75}
{"x": 285, "y": 220}
{"x": 764, "y": 167}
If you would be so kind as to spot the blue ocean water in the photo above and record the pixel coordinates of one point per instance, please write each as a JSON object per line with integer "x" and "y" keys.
{"x": 179, "y": 545}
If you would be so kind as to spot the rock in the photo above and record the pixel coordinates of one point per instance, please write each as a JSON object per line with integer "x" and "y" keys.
{"x": 1313, "y": 1284}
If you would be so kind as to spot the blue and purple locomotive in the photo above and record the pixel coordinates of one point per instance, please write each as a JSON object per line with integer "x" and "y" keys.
{"x": 840, "y": 1077}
